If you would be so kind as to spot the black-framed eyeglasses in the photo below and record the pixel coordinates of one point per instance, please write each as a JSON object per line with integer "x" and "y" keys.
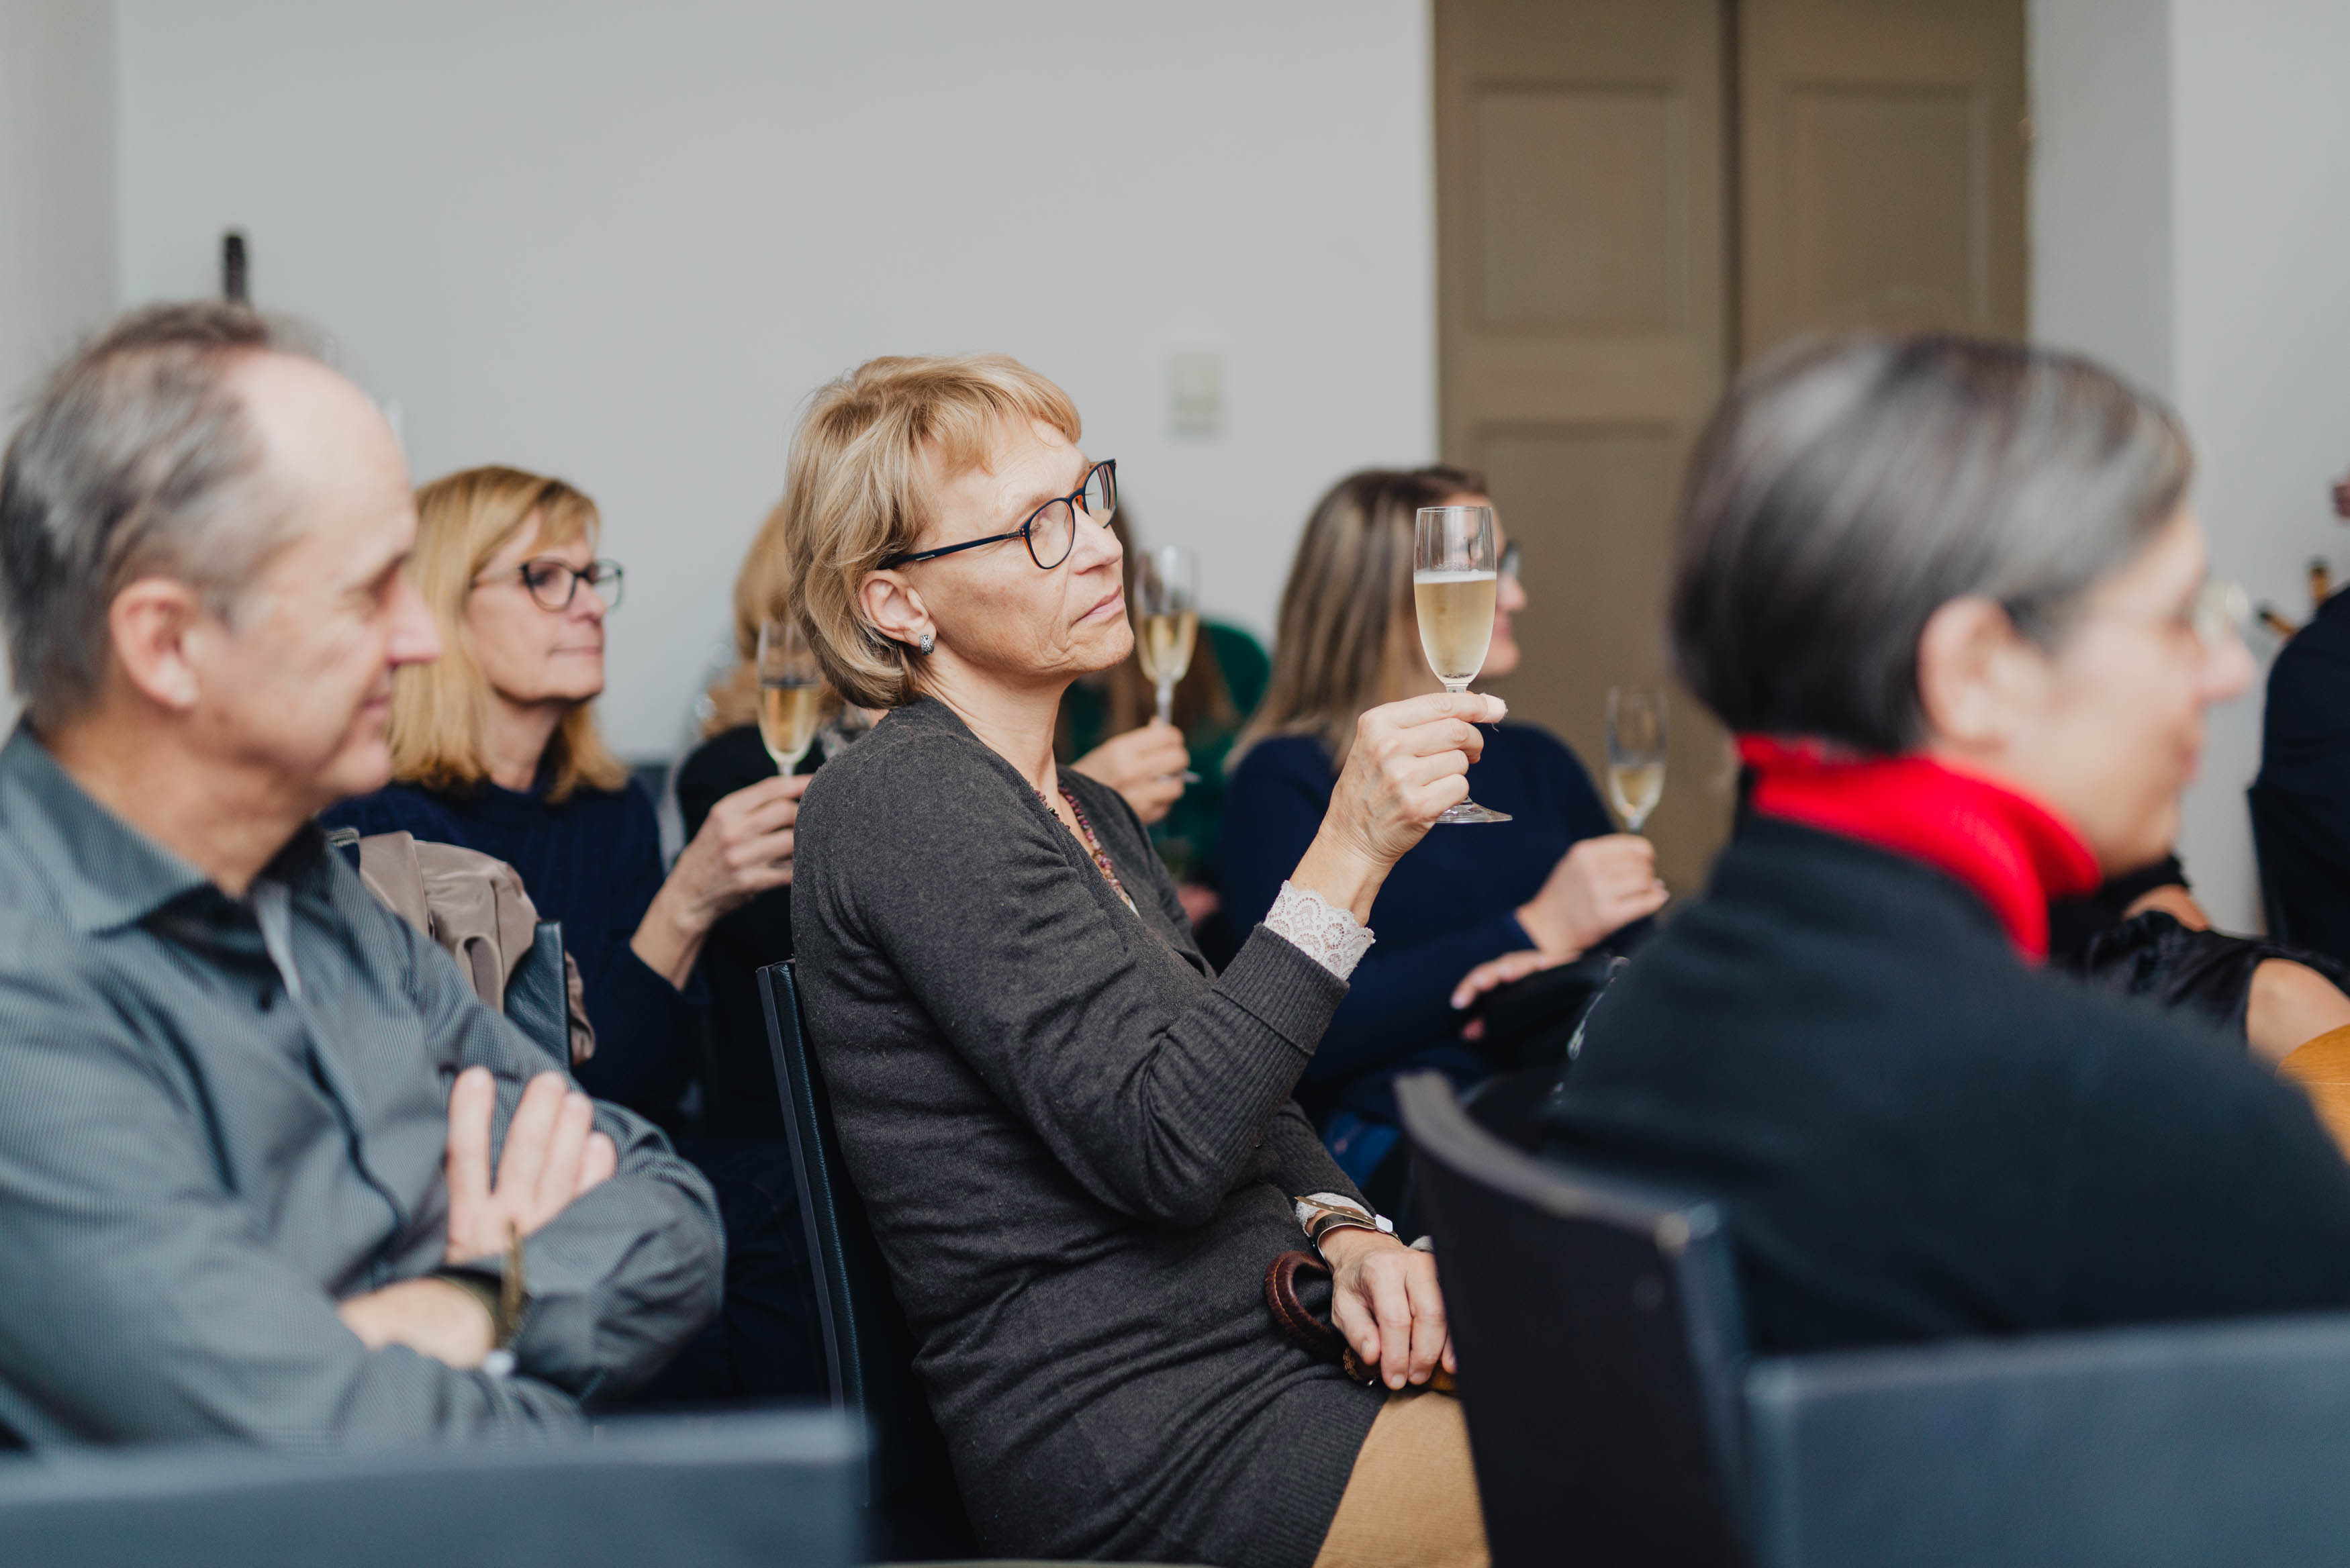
{"x": 1051, "y": 530}
{"x": 554, "y": 584}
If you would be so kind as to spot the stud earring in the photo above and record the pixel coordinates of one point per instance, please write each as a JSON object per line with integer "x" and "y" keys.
{"x": 926, "y": 644}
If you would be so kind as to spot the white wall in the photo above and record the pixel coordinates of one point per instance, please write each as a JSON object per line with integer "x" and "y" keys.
{"x": 621, "y": 242}
{"x": 56, "y": 194}
{"x": 2226, "y": 290}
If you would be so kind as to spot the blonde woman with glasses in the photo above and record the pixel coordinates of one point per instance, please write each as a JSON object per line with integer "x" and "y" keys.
{"x": 1075, "y": 1138}
{"x": 495, "y": 747}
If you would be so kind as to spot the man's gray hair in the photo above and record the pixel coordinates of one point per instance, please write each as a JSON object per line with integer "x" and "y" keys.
{"x": 136, "y": 460}
{"x": 1846, "y": 489}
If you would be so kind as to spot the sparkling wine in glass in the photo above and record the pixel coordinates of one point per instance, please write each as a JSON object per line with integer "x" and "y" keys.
{"x": 1453, "y": 582}
{"x": 1167, "y": 619}
{"x": 791, "y": 692}
{"x": 1636, "y": 753}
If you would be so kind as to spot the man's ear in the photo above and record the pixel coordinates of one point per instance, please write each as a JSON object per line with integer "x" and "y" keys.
{"x": 152, "y": 623}
{"x": 1976, "y": 675}
{"x": 894, "y": 608}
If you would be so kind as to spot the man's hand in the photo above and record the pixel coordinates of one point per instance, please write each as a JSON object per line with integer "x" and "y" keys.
{"x": 552, "y": 1153}
{"x": 1384, "y": 1299}
{"x": 432, "y": 1317}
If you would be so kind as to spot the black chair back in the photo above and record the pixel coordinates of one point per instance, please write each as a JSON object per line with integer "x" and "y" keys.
{"x": 716, "y": 1492}
{"x": 868, "y": 1349}
{"x": 538, "y": 997}
{"x": 1598, "y": 1329}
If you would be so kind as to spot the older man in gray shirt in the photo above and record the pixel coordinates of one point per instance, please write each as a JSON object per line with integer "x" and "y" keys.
{"x": 263, "y": 1156}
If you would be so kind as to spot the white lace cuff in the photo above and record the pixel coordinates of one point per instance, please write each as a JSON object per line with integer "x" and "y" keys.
{"x": 1319, "y": 928}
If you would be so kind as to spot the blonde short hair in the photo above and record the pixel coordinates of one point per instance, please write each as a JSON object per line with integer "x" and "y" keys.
{"x": 856, "y": 492}
{"x": 1347, "y": 630}
{"x": 440, "y": 711}
{"x": 762, "y": 593}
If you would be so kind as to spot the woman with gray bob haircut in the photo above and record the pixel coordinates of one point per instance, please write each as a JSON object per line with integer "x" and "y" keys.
{"x": 1949, "y": 597}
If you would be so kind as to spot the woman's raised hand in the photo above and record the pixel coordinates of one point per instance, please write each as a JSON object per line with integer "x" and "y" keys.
{"x": 1411, "y": 759}
{"x": 743, "y": 849}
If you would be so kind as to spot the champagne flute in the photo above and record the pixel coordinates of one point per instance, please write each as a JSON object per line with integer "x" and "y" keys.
{"x": 1167, "y": 598}
{"x": 1636, "y": 753}
{"x": 791, "y": 692}
{"x": 1453, "y": 584}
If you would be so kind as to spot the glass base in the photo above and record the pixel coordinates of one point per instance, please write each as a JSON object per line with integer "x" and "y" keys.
{"x": 1468, "y": 811}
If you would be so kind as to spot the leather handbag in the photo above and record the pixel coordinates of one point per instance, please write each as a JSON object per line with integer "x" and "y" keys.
{"x": 1304, "y": 1326}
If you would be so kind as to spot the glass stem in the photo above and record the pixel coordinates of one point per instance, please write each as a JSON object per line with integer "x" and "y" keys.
{"x": 1166, "y": 701}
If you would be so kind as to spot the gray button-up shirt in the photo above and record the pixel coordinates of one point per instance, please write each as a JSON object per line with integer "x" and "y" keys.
{"x": 199, "y": 1158}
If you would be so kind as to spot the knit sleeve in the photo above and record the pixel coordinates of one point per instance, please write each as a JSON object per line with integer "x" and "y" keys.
{"x": 1151, "y": 1086}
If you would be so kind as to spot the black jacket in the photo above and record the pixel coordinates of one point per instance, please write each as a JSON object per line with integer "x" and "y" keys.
{"x": 1914, "y": 1136}
{"x": 2300, "y": 802}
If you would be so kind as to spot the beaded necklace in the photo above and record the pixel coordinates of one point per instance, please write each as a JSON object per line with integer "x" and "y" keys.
{"x": 1093, "y": 845}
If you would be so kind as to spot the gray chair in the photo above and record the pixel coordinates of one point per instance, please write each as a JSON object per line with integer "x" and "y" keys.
{"x": 914, "y": 1510}
{"x": 1597, "y": 1334}
{"x": 716, "y": 1492}
{"x": 2139, "y": 1447}
{"x": 1620, "y": 1423}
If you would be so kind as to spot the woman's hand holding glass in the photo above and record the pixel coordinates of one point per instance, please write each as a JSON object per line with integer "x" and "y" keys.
{"x": 743, "y": 849}
{"x": 1146, "y": 765}
{"x": 1385, "y": 1299}
{"x": 1409, "y": 764}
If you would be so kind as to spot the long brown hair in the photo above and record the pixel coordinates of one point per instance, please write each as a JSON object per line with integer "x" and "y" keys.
{"x": 1347, "y": 628}
{"x": 440, "y": 710}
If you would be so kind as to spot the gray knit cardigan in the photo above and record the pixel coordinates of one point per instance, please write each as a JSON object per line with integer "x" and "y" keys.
{"x": 1077, "y": 1147}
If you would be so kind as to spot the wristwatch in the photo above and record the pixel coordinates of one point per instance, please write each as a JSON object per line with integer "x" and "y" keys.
{"x": 504, "y": 1294}
{"x": 1319, "y": 1213}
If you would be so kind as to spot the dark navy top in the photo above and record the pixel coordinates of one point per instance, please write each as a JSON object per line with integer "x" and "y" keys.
{"x": 1449, "y": 905}
{"x": 593, "y": 863}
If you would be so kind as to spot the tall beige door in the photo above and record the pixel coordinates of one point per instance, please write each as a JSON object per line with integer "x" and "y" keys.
{"x": 1619, "y": 224}
{"x": 1584, "y": 294}
{"x": 1882, "y": 152}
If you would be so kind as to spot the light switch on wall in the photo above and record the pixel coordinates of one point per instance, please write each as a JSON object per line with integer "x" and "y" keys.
{"x": 1195, "y": 392}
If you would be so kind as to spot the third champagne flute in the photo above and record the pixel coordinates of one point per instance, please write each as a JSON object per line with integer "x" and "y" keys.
{"x": 1636, "y": 753}
{"x": 791, "y": 692}
{"x": 1453, "y": 582}
{"x": 1166, "y": 609}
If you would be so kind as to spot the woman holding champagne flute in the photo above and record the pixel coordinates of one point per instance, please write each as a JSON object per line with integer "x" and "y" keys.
{"x": 494, "y": 747}
{"x": 1379, "y": 606}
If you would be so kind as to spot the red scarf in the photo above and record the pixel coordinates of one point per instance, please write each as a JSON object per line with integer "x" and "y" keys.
{"x": 2012, "y": 851}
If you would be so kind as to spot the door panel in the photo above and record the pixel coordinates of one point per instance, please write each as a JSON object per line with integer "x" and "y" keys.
{"x": 1882, "y": 165}
{"x": 1584, "y": 295}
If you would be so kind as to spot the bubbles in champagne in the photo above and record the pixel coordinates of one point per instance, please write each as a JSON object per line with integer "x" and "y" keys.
{"x": 1456, "y": 621}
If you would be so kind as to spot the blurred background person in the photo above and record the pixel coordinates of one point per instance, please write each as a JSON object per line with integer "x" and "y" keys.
{"x": 2300, "y": 800}
{"x": 1947, "y": 594}
{"x": 495, "y": 747}
{"x": 1218, "y": 692}
{"x": 1466, "y": 906}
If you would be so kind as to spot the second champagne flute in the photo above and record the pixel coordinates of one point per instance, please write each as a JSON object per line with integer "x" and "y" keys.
{"x": 1454, "y": 584}
{"x": 791, "y": 692}
{"x": 1636, "y": 753}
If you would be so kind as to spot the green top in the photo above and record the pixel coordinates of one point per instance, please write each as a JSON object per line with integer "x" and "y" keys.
{"x": 1186, "y": 838}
